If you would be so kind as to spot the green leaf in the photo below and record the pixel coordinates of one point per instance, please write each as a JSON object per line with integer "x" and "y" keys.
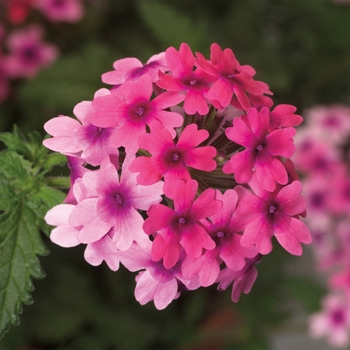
{"x": 20, "y": 243}
{"x": 24, "y": 201}
{"x": 172, "y": 28}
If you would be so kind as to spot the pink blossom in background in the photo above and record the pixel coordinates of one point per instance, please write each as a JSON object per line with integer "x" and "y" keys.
{"x": 169, "y": 143}
{"x": 322, "y": 156}
{"x": 27, "y": 53}
{"x": 18, "y": 10}
{"x": 61, "y": 10}
{"x": 333, "y": 322}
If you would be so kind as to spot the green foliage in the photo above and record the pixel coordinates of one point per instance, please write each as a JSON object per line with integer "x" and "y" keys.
{"x": 24, "y": 198}
{"x": 172, "y": 28}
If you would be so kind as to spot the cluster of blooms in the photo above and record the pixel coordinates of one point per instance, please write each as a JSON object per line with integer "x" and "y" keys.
{"x": 180, "y": 171}
{"x": 26, "y": 53}
{"x": 323, "y": 155}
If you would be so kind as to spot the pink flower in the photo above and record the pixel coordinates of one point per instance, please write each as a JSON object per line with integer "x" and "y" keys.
{"x": 180, "y": 227}
{"x": 130, "y": 108}
{"x": 333, "y": 321}
{"x": 273, "y": 214}
{"x": 27, "y": 53}
{"x": 225, "y": 229}
{"x": 132, "y": 69}
{"x": 232, "y": 78}
{"x": 170, "y": 160}
{"x": 194, "y": 84}
{"x": 80, "y": 138}
{"x": 284, "y": 116}
{"x": 115, "y": 205}
{"x": 77, "y": 170}
{"x": 156, "y": 282}
{"x": 243, "y": 280}
{"x": 260, "y": 158}
{"x": 61, "y": 10}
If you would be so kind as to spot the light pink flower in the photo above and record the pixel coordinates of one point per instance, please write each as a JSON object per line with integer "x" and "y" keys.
{"x": 80, "y": 138}
{"x": 27, "y": 53}
{"x": 115, "y": 205}
{"x": 61, "y": 10}
{"x": 156, "y": 282}
{"x": 131, "y": 68}
{"x": 333, "y": 321}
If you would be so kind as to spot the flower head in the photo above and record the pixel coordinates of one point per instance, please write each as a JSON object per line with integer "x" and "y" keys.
{"x": 170, "y": 143}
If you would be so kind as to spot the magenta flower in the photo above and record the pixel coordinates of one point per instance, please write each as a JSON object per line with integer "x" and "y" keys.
{"x": 132, "y": 69}
{"x": 180, "y": 227}
{"x": 132, "y": 110}
{"x": 27, "y": 53}
{"x": 61, "y": 10}
{"x": 243, "y": 279}
{"x": 170, "y": 160}
{"x": 225, "y": 229}
{"x": 194, "y": 84}
{"x": 273, "y": 214}
{"x": 260, "y": 158}
{"x": 232, "y": 78}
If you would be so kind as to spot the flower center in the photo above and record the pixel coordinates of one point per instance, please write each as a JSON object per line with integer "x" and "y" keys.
{"x": 220, "y": 234}
{"x": 140, "y": 110}
{"x": 193, "y": 82}
{"x": 119, "y": 199}
{"x": 29, "y": 54}
{"x": 260, "y": 147}
{"x": 272, "y": 209}
{"x": 182, "y": 221}
{"x": 175, "y": 157}
{"x": 338, "y": 317}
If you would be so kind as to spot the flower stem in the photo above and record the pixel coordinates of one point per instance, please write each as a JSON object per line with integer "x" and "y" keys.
{"x": 58, "y": 182}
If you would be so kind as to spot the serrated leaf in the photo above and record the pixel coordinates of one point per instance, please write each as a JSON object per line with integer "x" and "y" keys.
{"x": 15, "y": 166}
{"x": 172, "y": 28}
{"x": 20, "y": 243}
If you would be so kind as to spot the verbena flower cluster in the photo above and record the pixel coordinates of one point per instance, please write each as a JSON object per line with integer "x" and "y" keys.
{"x": 180, "y": 171}
{"x": 22, "y": 50}
{"x": 323, "y": 156}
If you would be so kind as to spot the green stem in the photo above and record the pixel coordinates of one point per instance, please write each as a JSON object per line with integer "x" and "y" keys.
{"x": 59, "y": 182}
